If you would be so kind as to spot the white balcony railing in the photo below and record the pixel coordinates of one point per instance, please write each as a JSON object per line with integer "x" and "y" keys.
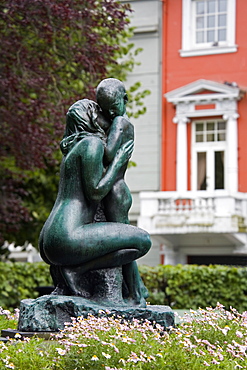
{"x": 186, "y": 205}
{"x": 166, "y": 212}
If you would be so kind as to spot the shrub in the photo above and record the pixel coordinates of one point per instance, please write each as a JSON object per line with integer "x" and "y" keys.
{"x": 19, "y": 280}
{"x": 191, "y": 286}
{"x": 181, "y": 286}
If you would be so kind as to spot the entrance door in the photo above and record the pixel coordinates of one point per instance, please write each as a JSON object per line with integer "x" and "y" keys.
{"x": 208, "y": 155}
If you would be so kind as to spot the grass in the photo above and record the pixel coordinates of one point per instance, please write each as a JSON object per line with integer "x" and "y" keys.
{"x": 207, "y": 338}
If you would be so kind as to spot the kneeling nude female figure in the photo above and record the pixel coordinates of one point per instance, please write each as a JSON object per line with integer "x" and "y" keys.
{"x": 70, "y": 242}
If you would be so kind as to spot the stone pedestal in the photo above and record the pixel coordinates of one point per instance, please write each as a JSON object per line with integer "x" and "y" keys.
{"x": 49, "y": 313}
{"x": 100, "y": 290}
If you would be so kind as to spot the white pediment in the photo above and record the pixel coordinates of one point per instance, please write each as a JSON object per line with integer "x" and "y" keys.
{"x": 204, "y": 91}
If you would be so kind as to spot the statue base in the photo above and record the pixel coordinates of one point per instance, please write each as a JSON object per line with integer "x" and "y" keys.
{"x": 49, "y": 313}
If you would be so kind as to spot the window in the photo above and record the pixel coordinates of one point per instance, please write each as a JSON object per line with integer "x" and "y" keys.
{"x": 217, "y": 137}
{"x": 210, "y": 131}
{"x": 209, "y": 155}
{"x": 208, "y": 27}
{"x": 210, "y": 21}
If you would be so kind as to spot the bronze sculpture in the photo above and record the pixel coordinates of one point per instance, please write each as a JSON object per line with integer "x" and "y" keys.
{"x": 97, "y": 145}
{"x": 87, "y": 239}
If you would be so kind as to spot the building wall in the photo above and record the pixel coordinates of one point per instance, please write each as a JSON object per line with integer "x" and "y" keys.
{"x": 182, "y": 231}
{"x": 146, "y": 19}
{"x": 161, "y": 60}
{"x": 179, "y": 71}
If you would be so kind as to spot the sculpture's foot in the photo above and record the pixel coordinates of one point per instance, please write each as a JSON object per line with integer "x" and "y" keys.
{"x": 136, "y": 288}
{"x": 61, "y": 290}
{"x": 140, "y": 303}
{"x": 77, "y": 282}
{"x": 103, "y": 285}
{"x": 144, "y": 291}
{"x": 60, "y": 286}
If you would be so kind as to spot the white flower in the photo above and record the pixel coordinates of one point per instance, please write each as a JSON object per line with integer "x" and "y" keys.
{"x": 239, "y": 334}
{"x": 220, "y": 356}
{"x": 237, "y": 366}
{"x": 159, "y": 354}
{"x": 94, "y": 358}
{"x": 61, "y": 351}
{"x": 10, "y": 366}
{"x": 6, "y": 360}
{"x": 106, "y": 355}
{"x": 215, "y": 362}
{"x": 225, "y": 330}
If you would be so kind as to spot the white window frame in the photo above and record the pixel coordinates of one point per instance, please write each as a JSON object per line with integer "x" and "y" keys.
{"x": 209, "y": 148}
{"x": 190, "y": 48}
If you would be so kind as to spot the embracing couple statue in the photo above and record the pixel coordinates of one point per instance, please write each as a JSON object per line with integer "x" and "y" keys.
{"x": 76, "y": 238}
{"x": 87, "y": 239}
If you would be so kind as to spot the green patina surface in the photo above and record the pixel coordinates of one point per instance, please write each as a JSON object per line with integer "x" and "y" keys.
{"x": 87, "y": 239}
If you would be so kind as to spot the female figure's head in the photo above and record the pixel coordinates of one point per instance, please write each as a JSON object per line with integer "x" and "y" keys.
{"x": 81, "y": 121}
{"x": 82, "y": 116}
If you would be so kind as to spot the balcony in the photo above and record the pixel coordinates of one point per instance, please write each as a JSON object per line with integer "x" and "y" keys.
{"x": 192, "y": 213}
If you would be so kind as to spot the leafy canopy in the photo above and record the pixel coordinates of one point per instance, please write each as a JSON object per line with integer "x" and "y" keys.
{"x": 53, "y": 52}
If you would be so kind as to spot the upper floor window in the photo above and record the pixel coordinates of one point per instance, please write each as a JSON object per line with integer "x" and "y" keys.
{"x": 210, "y": 21}
{"x": 208, "y": 27}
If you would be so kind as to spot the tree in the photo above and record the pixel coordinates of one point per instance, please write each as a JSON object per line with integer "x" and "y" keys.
{"x": 54, "y": 52}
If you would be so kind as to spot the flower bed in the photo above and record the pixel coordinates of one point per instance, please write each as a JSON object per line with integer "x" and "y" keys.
{"x": 210, "y": 338}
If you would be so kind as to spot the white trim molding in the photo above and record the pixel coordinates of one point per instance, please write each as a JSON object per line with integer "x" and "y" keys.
{"x": 232, "y": 151}
{"x": 219, "y": 100}
{"x": 190, "y": 48}
{"x": 181, "y": 152}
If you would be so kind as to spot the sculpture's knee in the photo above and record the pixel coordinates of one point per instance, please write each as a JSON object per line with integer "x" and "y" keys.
{"x": 144, "y": 242}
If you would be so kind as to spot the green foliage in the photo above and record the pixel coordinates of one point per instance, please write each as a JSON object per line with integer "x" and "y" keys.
{"x": 214, "y": 338}
{"x": 19, "y": 280}
{"x": 53, "y": 53}
{"x": 8, "y": 320}
{"x": 191, "y": 286}
{"x": 41, "y": 188}
{"x": 181, "y": 286}
{"x": 136, "y": 103}
{"x": 28, "y": 354}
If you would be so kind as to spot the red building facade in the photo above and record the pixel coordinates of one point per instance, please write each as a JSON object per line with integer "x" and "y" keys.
{"x": 201, "y": 209}
{"x": 222, "y": 64}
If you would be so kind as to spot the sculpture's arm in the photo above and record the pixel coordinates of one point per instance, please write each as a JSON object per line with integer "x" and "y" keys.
{"x": 96, "y": 182}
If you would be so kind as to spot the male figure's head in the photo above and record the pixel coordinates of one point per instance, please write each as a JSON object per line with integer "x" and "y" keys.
{"x": 111, "y": 97}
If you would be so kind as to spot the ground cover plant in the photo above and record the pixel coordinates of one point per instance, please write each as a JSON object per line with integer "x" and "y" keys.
{"x": 206, "y": 338}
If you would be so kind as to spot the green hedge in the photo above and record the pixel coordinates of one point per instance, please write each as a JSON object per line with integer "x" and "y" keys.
{"x": 181, "y": 286}
{"x": 191, "y": 286}
{"x": 19, "y": 280}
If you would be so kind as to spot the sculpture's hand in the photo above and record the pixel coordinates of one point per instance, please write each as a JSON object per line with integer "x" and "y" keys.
{"x": 125, "y": 152}
{"x": 96, "y": 181}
